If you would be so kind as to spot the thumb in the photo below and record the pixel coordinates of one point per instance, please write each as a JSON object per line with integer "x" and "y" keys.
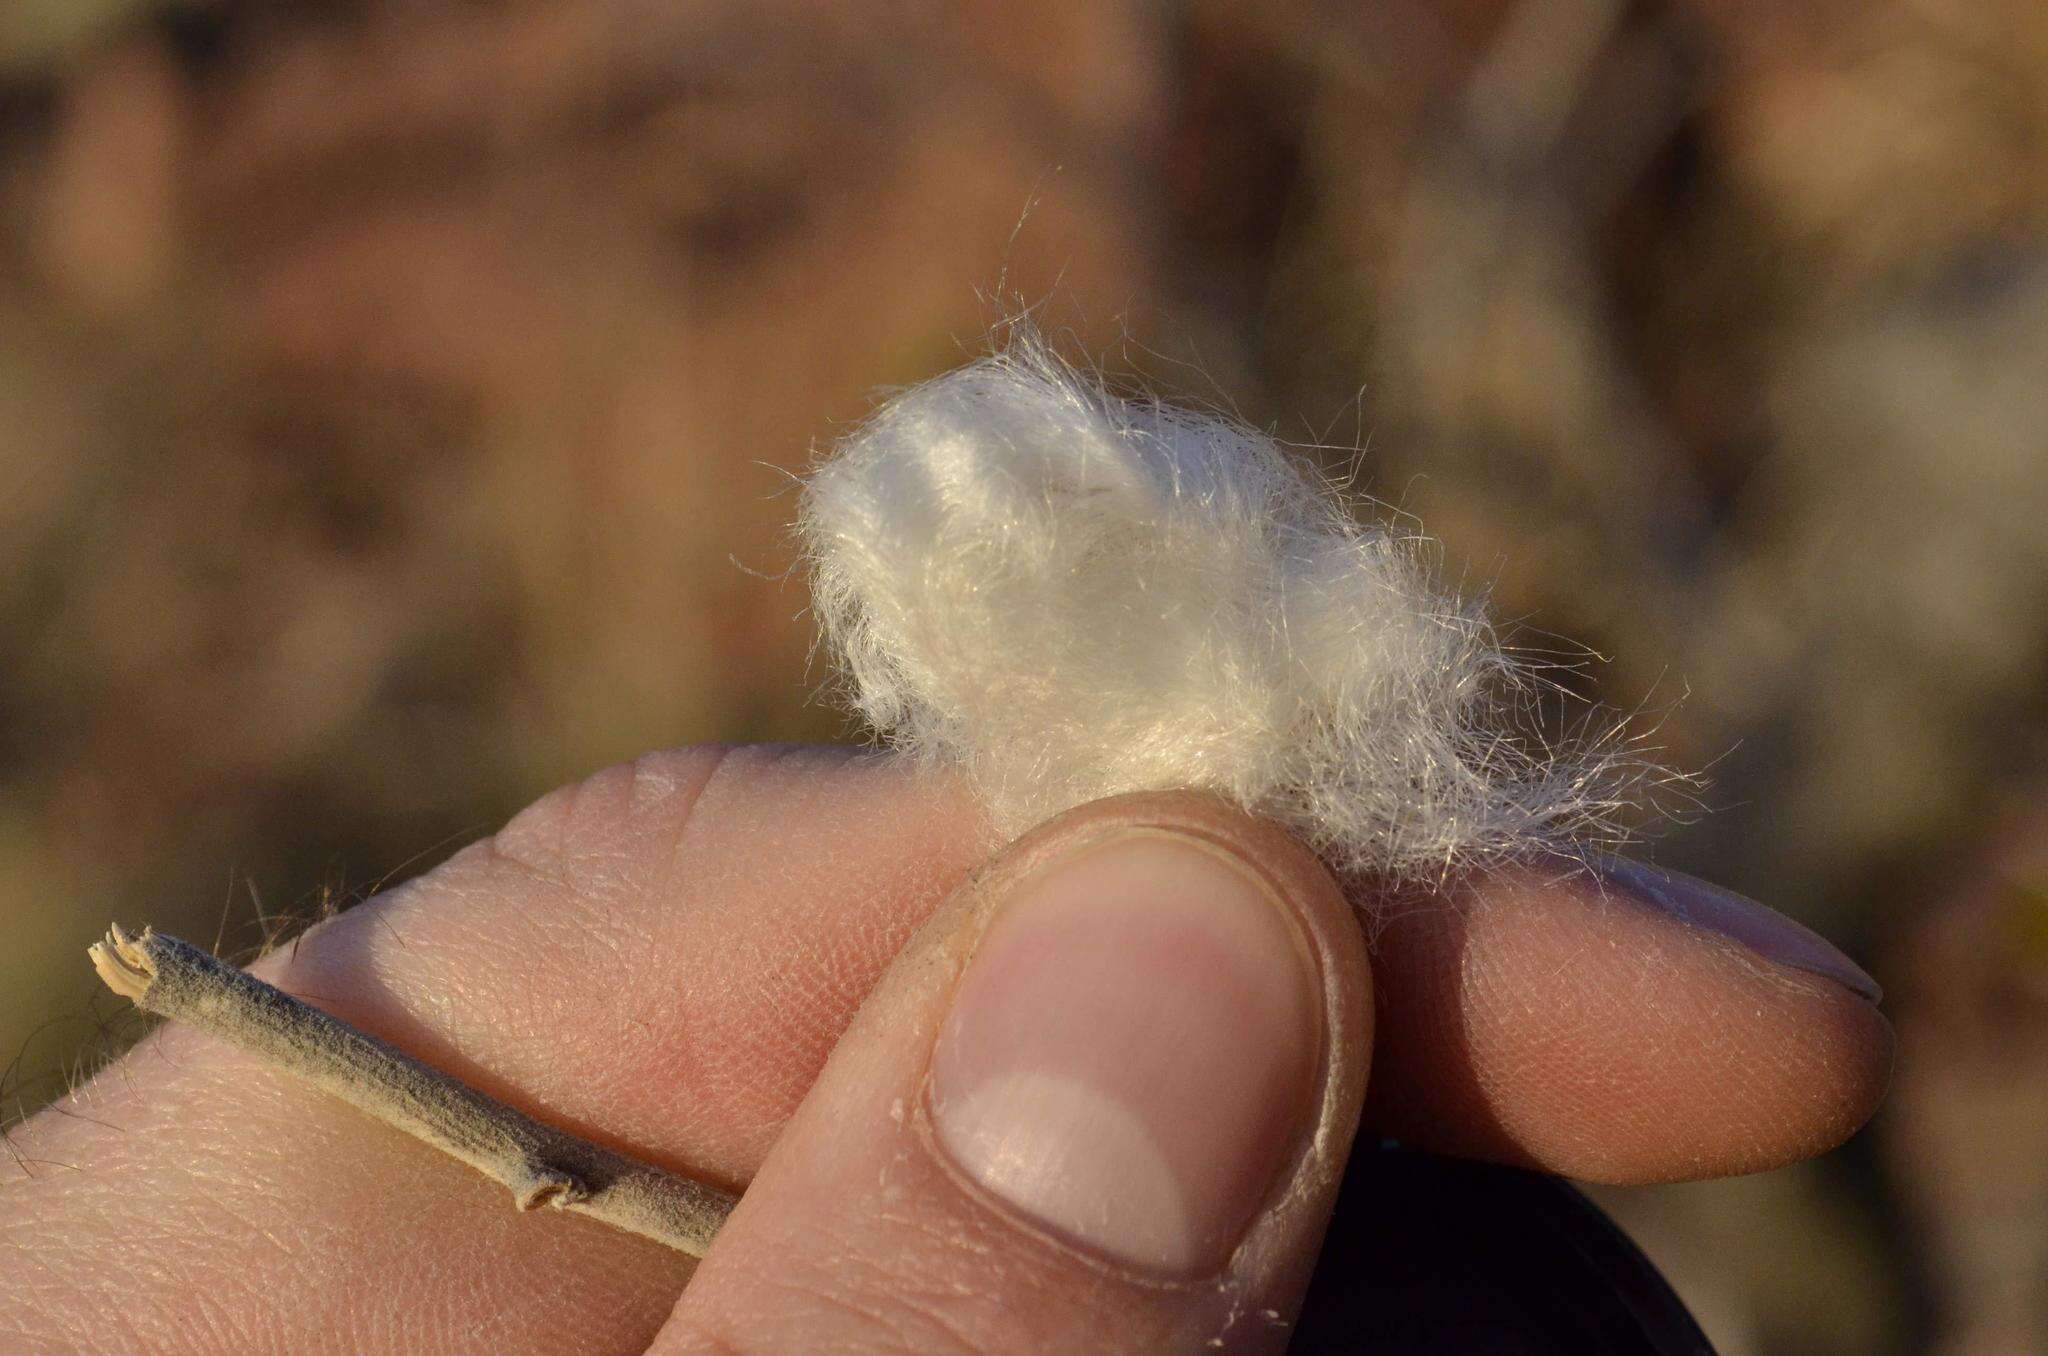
{"x": 1102, "y": 1101}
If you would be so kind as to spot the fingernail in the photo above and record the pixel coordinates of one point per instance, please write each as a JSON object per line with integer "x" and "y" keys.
{"x": 1765, "y": 931}
{"x": 1131, "y": 1055}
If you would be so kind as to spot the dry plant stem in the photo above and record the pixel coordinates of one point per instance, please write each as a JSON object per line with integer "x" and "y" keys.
{"x": 541, "y": 1165}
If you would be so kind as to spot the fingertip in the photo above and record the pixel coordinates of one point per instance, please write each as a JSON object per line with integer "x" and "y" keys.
{"x": 1844, "y": 1057}
{"x": 1553, "y": 1019}
{"x": 1800, "y": 1017}
{"x": 1176, "y": 912}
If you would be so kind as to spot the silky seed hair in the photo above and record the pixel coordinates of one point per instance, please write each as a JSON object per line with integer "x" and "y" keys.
{"x": 1063, "y": 594}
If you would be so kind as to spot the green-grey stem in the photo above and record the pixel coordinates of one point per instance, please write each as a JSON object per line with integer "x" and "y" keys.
{"x": 540, "y": 1164}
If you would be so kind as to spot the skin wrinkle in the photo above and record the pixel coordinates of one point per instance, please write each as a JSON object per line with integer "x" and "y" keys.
{"x": 869, "y": 1320}
{"x": 560, "y": 833}
{"x": 922, "y": 1317}
{"x": 830, "y": 1271}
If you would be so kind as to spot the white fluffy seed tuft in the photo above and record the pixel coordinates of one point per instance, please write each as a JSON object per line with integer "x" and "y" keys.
{"x": 1065, "y": 595}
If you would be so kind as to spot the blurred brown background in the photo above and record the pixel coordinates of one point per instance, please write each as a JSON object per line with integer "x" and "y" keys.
{"x": 396, "y": 400}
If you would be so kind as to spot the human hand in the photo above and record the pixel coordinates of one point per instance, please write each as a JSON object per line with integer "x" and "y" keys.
{"x": 1113, "y": 1118}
